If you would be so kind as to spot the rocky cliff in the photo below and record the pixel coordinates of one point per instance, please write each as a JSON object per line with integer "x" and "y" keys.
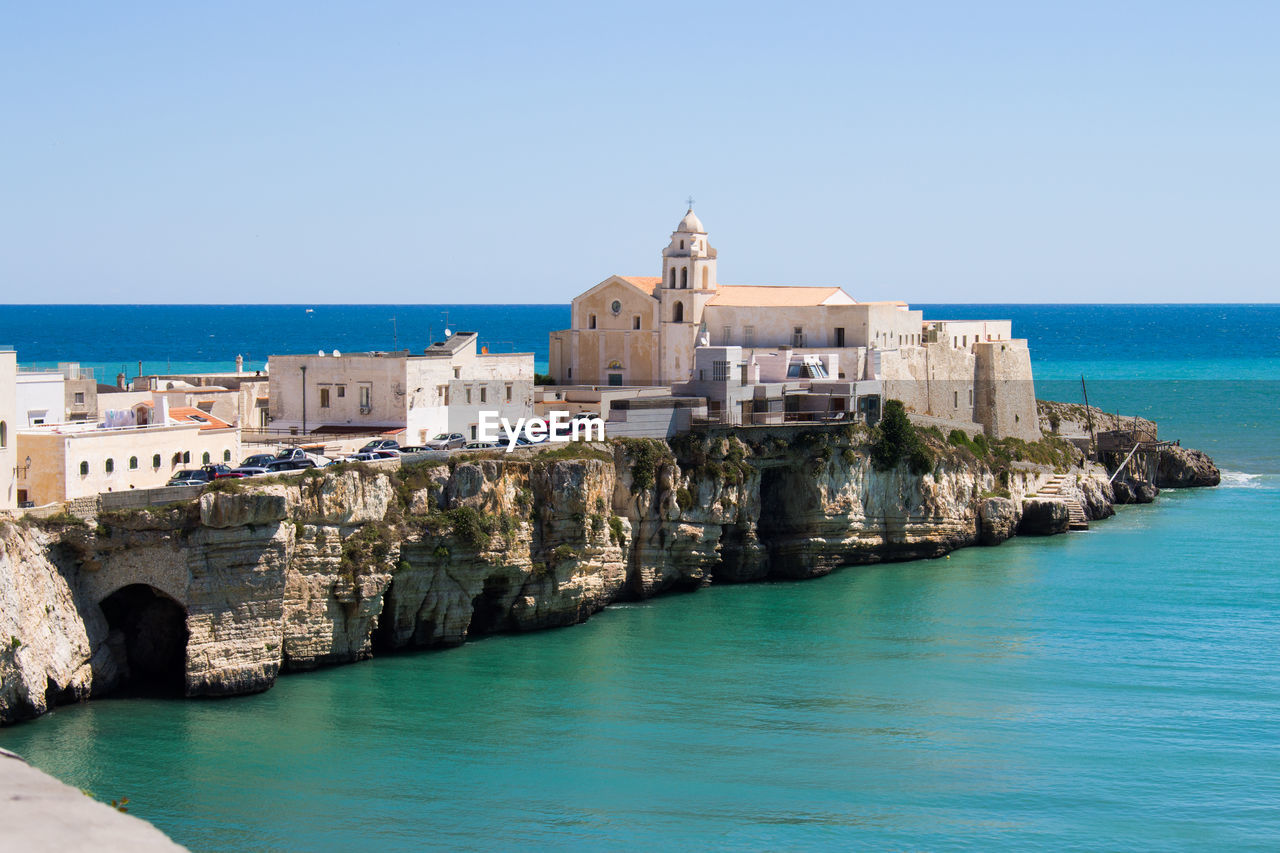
{"x": 220, "y": 595}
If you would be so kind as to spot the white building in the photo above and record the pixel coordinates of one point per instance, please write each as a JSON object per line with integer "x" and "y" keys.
{"x": 441, "y": 390}
{"x": 8, "y": 424}
{"x": 72, "y": 460}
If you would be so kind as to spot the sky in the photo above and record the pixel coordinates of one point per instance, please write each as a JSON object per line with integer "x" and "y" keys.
{"x": 409, "y": 152}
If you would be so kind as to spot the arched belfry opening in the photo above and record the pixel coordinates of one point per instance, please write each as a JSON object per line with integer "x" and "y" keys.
{"x": 677, "y": 313}
{"x": 148, "y": 640}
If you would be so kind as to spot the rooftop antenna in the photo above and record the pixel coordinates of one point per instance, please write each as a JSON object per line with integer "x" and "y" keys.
{"x": 447, "y": 333}
{"x": 395, "y": 339}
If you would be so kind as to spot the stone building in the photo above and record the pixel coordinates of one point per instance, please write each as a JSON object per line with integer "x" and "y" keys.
{"x": 8, "y": 426}
{"x": 441, "y": 390}
{"x": 644, "y": 331}
{"x": 73, "y": 460}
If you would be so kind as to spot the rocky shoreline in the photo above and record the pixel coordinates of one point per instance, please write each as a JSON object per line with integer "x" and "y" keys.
{"x": 219, "y": 595}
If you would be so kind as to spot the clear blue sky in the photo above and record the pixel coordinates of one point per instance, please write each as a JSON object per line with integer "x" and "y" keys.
{"x": 415, "y": 152}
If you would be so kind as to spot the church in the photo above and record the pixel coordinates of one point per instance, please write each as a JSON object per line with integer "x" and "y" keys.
{"x": 649, "y": 330}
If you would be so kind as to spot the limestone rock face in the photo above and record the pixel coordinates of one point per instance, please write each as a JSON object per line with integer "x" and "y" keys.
{"x": 1043, "y": 517}
{"x": 1181, "y": 467}
{"x": 998, "y": 520}
{"x": 337, "y": 566}
{"x": 1129, "y": 491}
{"x": 44, "y": 647}
{"x": 267, "y": 506}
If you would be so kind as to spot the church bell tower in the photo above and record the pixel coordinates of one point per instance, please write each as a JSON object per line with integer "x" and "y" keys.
{"x": 688, "y": 284}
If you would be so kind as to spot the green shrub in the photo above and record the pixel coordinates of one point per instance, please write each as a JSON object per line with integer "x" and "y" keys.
{"x": 615, "y": 530}
{"x": 647, "y": 455}
{"x": 469, "y": 526}
{"x": 896, "y": 440}
{"x": 441, "y": 553}
{"x": 684, "y": 498}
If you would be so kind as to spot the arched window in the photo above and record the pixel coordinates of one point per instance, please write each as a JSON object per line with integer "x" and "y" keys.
{"x": 205, "y": 460}
{"x": 110, "y": 466}
{"x": 704, "y": 278}
{"x": 677, "y": 313}
{"x": 591, "y": 321}
{"x": 684, "y": 278}
{"x": 186, "y": 457}
{"x": 84, "y": 469}
{"x": 155, "y": 461}
{"x": 673, "y": 277}
{"x": 226, "y": 456}
{"x": 681, "y": 245}
{"x": 133, "y": 463}
{"x": 4, "y": 434}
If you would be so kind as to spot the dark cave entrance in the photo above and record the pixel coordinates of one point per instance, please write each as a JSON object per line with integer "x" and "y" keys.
{"x": 148, "y": 638}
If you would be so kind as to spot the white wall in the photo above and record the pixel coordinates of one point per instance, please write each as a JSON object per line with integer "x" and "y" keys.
{"x": 8, "y": 428}
{"x": 41, "y": 398}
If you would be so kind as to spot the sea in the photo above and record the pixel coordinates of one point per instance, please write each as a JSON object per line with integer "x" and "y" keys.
{"x": 1117, "y": 689}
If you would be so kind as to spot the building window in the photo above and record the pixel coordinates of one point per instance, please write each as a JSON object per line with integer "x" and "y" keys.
{"x": 468, "y": 390}
{"x": 366, "y": 396}
{"x": 726, "y": 334}
{"x": 635, "y": 322}
{"x": 133, "y": 463}
{"x": 79, "y": 398}
{"x": 591, "y": 321}
{"x": 4, "y": 434}
{"x": 508, "y": 392}
{"x": 226, "y": 456}
{"x": 677, "y": 313}
{"x": 673, "y": 277}
{"x": 797, "y": 336}
{"x": 568, "y": 373}
{"x": 749, "y": 336}
{"x": 704, "y": 278}
{"x": 205, "y": 459}
{"x": 84, "y": 469}
{"x": 155, "y": 461}
{"x": 484, "y": 394}
{"x": 110, "y": 467}
{"x": 615, "y": 307}
{"x": 719, "y": 371}
{"x": 681, "y": 245}
{"x": 840, "y": 336}
{"x": 324, "y": 398}
{"x": 186, "y": 457}
{"x": 956, "y": 402}
{"x": 684, "y": 278}
{"x": 473, "y": 432}
{"x": 342, "y": 391}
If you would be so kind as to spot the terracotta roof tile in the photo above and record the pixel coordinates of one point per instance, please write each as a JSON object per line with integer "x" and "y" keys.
{"x": 192, "y": 415}
{"x": 647, "y": 283}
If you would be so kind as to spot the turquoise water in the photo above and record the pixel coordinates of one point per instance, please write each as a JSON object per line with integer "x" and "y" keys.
{"x": 1117, "y": 689}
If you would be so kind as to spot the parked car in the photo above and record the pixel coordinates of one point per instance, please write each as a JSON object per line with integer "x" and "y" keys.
{"x": 480, "y": 445}
{"x": 447, "y": 441}
{"x": 417, "y": 448}
{"x": 292, "y": 459}
{"x": 190, "y": 477}
{"x": 219, "y": 470}
{"x": 363, "y": 456}
{"x": 249, "y": 471}
{"x": 381, "y": 444}
{"x": 196, "y": 475}
{"x": 258, "y": 460}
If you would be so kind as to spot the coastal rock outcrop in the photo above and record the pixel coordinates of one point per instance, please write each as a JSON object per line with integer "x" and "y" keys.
{"x": 1043, "y": 517}
{"x": 220, "y": 595}
{"x": 1180, "y": 467}
{"x": 998, "y": 520}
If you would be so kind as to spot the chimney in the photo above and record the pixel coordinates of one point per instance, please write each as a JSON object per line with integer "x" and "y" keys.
{"x": 162, "y": 408}
{"x": 121, "y": 382}
{"x": 239, "y": 364}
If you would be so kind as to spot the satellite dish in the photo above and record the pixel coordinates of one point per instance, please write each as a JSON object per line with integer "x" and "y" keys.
{"x": 336, "y": 354}
{"x": 447, "y": 333}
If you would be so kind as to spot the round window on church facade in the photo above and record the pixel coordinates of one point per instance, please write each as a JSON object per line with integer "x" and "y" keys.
{"x": 616, "y": 307}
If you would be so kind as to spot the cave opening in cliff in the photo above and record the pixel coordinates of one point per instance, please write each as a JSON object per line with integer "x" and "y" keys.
{"x": 148, "y": 639}
{"x": 781, "y": 491}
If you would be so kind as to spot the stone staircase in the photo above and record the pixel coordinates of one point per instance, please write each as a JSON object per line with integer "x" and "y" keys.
{"x": 1076, "y": 519}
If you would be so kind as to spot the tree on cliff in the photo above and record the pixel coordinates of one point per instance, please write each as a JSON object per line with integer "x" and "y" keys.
{"x": 895, "y": 439}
